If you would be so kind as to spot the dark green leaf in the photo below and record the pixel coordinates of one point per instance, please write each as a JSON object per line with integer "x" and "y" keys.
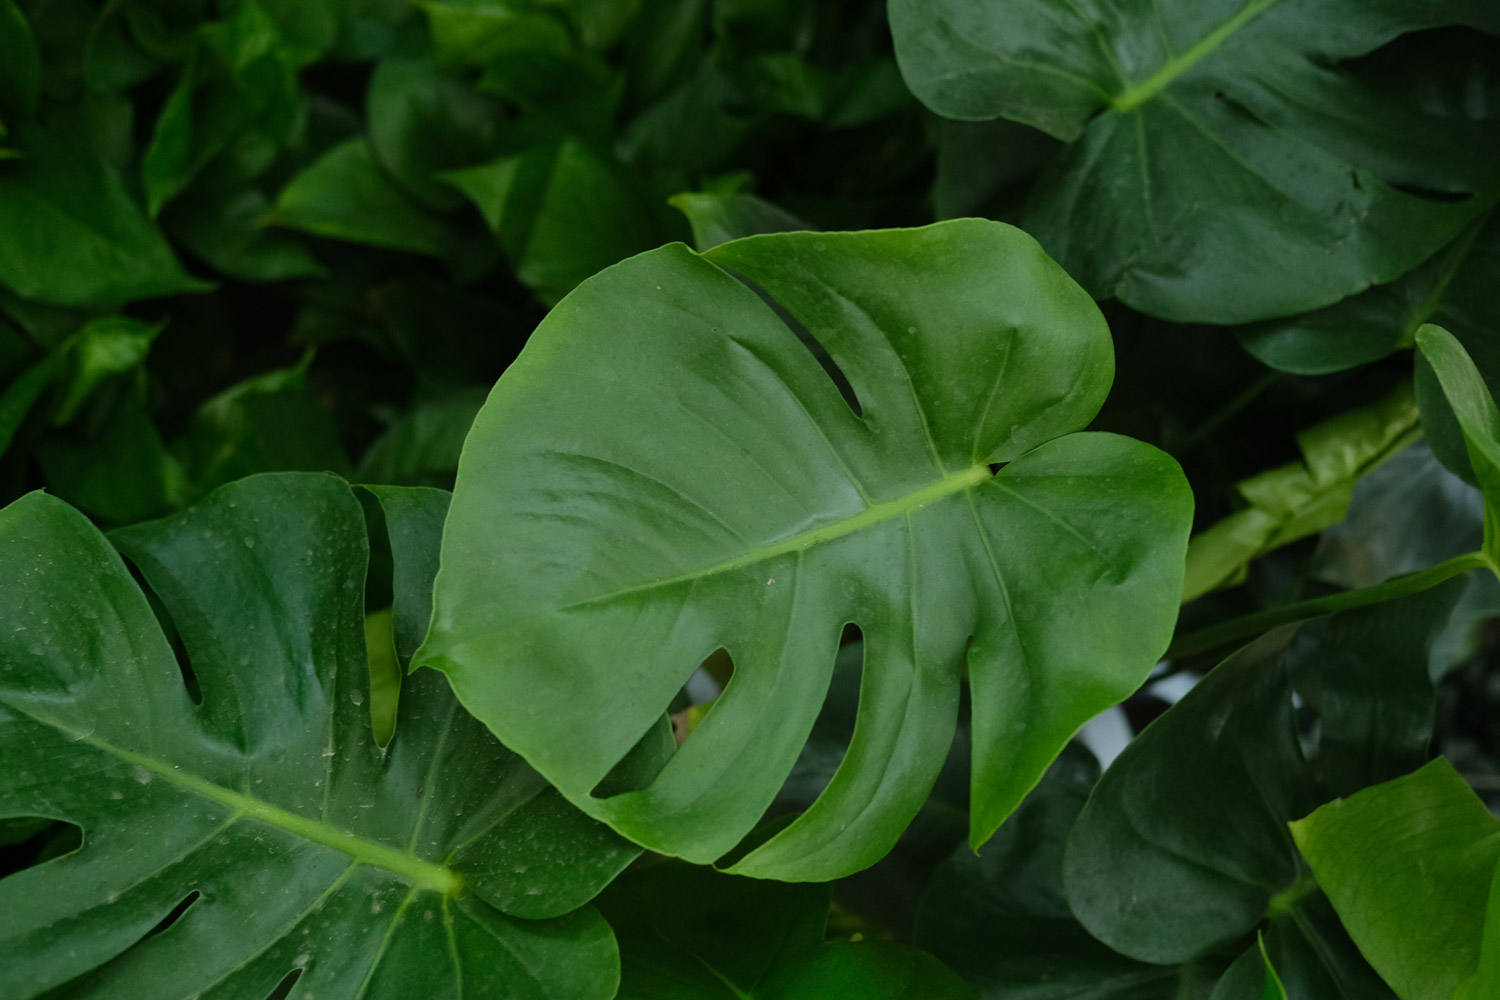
{"x": 561, "y": 214}
{"x": 345, "y": 196}
{"x": 120, "y": 471}
{"x": 237, "y": 98}
{"x": 1410, "y": 866}
{"x": 104, "y": 348}
{"x": 294, "y": 841}
{"x": 719, "y": 218}
{"x": 70, "y": 234}
{"x": 422, "y": 447}
{"x": 667, "y": 470}
{"x": 20, "y": 62}
{"x": 265, "y": 424}
{"x": 1229, "y": 161}
{"x": 1183, "y": 847}
{"x": 230, "y": 231}
{"x": 1453, "y": 289}
{"x": 691, "y": 933}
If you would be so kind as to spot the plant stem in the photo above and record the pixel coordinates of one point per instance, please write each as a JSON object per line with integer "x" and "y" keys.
{"x": 1223, "y": 633}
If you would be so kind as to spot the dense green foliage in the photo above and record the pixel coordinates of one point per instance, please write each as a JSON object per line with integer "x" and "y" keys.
{"x": 636, "y": 498}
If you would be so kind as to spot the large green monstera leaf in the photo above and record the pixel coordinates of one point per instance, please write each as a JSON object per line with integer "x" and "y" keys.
{"x": 1229, "y": 160}
{"x": 667, "y": 471}
{"x": 265, "y": 819}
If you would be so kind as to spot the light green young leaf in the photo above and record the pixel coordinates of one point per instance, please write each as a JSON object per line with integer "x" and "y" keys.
{"x": 1301, "y": 498}
{"x": 1411, "y": 868}
{"x": 667, "y": 470}
{"x": 302, "y": 850}
{"x": 1478, "y": 418}
{"x": 112, "y": 345}
{"x": 70, "y": 233}
{"x": 1226, "y": 162}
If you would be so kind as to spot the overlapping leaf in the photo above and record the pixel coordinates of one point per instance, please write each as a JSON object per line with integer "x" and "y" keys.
{"x": 667, "y": 471}
{"x": 1227, "y": 161}
{"x": 265, "y": 819}
{"x": 1411, "y": 868}
{"x": 1183, "y": 850}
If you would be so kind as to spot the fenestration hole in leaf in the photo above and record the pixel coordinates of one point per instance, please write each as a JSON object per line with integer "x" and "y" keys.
{"x": 28, "y": 841}
{"x": 284, "y": 988}
{"x": 828, "y": 743}
{"x": 169, "y": 629}
{"x": 1432, "y": 194}
{"x": 814, "y": 346}
{"x": 177, "y": 913}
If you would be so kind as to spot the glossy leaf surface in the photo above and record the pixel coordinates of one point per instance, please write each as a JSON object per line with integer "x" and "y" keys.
{"x": 695, "y": 934}
{"x": 285, "y": 840}
{"x": 1478, "y": 420}
{"x": 1227, "y": 161}
{"x": 1183, "y": 849}
{"x": 666, "y": 470}
{"x": 1410, "y": 866}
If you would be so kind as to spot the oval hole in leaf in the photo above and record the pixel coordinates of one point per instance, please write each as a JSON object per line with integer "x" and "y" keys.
{"x": 28, "y": 841}
{"x": 175, "y": 915}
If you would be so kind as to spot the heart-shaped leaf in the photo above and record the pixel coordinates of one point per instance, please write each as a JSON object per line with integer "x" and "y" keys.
{"x": 1229, "y": 161}
{"x": 266, "y": 820}
{"x": 666, "y": 471}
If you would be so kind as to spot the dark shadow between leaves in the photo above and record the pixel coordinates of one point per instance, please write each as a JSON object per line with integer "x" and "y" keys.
{"x": 28, "y": 841}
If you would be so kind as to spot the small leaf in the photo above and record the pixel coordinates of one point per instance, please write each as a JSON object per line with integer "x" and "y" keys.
{"x": 70, "y": 234}
{"x": 1301, "y": 498}
{"x": 719, "y": 218}
{"x": 1411, "y": 867}
{"x": 668, "y": 470}
{"x": 345, "y": 196}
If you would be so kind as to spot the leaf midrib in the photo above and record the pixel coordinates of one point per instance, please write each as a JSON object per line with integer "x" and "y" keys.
{"x": 873, "y": 514}
{"x": 421, "y": 874}
{"x": 1137, "y": 94}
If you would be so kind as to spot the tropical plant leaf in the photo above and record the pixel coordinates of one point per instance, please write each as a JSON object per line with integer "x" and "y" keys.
{"x": 285, "y": 842}
{"x": 1228, "y": 161}
{"x": 1454, "y": 290}
{"x": 1469, "y": 402}
{"x": 71, "y": 235}
{"x": 691, "y": 933}
{"x": 745, "y": 505}
{"x": 720, "y": 217}
{"x": 1302, "y": 498}
{"x": 1182, "y": 849}
{"x": 1410, "y": 866}
{"x": 1000, "y": 918}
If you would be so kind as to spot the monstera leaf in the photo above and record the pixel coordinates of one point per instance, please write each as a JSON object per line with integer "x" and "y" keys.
{"x": 667, "y": 471}
{"x": 1229, "y": 160}
{"x": 260, "y": 835}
